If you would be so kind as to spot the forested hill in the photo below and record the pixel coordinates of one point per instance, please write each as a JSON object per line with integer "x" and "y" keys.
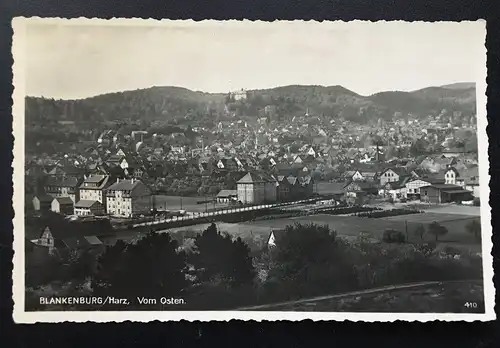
{"x": 179, "y": 104}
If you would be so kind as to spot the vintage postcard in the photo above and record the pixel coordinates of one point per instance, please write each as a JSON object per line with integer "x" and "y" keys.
{"x": 218, "y": 170}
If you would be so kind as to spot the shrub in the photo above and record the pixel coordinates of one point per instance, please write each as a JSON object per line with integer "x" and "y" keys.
{"x": 393, "y": 236}
{"x": 476, "y": 202}
{"x": 387, "y": 213}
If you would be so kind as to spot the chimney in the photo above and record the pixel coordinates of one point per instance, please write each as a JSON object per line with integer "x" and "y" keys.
{"x": 117, "y": 180}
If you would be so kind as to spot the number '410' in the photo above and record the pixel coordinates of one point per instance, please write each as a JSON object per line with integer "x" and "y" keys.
{"x": 470, "y": 304}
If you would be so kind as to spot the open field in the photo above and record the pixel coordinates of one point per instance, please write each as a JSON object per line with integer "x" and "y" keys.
{"x": 454, "y": 209}
{"x": 350, "y": 226}
{"x": 185, "y": 203}
{"x": 434, "y": 297}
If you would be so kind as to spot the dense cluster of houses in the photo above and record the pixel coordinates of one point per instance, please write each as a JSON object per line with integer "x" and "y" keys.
{"x": 117, "y": 174}
{"x": 400, "y": 183}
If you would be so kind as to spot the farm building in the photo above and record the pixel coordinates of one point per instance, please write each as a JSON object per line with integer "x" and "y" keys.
{"x": 42, "y": 202}
{"x": 226, "y": 196}
{"x": 62, "y": 205}
{"x": 413, "y": 186}
{"x": 444, "y": 193}
{"x": 88, "y": 207}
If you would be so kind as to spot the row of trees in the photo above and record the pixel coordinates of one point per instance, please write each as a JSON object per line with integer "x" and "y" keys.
{"x": 437, "y": 230}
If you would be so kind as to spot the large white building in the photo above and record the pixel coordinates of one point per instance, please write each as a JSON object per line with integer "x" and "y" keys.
{"x": 257, "y": 188}
{"x": 126, "y": 198}
{"x": 93, "y": 188}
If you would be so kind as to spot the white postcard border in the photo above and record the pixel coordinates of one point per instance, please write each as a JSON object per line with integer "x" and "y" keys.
{"x": 21, "y": 316}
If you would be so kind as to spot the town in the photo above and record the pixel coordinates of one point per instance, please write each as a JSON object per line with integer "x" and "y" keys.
{"x": 245, "y": 159}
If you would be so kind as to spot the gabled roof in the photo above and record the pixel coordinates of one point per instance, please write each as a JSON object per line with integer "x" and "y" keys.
{"x": 278, "y": 235}
{"x": 398, "y": 170}
{"x": 255, "y": 177}
{"x": 124, "y": 185}
{"x": 64, "y": 182}
{"x": 64, "y": 200}
{"x": 44, "y": 198}
{"x": 227, "y": 193}
{"x": 85, "y": 203}
{"x": 445, "y": 187}
{"x": 101, "y": 180}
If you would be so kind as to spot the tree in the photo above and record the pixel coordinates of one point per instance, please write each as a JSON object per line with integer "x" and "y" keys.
{"x": 151, "y": 268}
{"x": 418, "y": 147}
{"x": 437, "y": 230}
{"x": 474, "y": 228}
{"x": 419, "y": 231}
{"x": 310, "y": 259}
{"x": 220, "y": 259}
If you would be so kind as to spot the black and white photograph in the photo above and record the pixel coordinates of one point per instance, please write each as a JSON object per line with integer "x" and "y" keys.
{"x": 218, "y": 170}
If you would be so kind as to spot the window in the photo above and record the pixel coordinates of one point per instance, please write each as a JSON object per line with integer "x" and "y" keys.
{"x": 425, "y": 193}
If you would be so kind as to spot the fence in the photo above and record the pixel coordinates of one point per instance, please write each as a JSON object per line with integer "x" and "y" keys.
{"x": 195, "y": 216}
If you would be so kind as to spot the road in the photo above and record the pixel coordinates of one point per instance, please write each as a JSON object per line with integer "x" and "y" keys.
{"x": 277, "y": 306}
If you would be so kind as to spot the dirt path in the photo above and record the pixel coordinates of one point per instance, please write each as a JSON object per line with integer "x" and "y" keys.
{"x": 349, "y": 294}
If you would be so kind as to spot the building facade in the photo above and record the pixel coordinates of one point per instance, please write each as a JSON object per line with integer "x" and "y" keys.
{"x": 256, "y": 188}
{"x": 62, "y": 205}
{"x": 127, "y": 198}
{"x": 89, "y": 208}
{"x": 94, "y": 187}
{"x": 63, "y": 187}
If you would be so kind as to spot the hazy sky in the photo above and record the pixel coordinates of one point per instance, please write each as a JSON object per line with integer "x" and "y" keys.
{"x": 75, "y": 59}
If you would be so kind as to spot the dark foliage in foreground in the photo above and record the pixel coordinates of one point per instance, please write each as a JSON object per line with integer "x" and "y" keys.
{"x": 216, "y": 272}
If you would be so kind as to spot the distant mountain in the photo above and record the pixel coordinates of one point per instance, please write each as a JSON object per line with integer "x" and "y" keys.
{"x": 181, "y": 105}
{"x": 460, "y": 85}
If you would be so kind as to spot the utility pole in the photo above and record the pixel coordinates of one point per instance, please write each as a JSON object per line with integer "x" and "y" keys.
{"x": 181, "y": 202}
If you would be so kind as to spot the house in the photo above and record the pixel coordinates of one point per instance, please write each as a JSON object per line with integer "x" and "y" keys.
{"x": 469, "y": 180}
{"x": 63, "y": 235}
{"x": 93, "y": 188}
{"x": 413, "y": 186}
{"x": 357, "y": 191}
{"x": 369, "y": 176}
{"x": 306, "y": 186}
{"x": 42, "y": 202}
{"x": 127, "y": 198}
{"x": 89, "y": 207}
{"x": 353, "y": 175}
{"x": 444, "y": 193}
{"x": 392, "y": 175}
{"x": 284, "y": 188}
{"x": 451, "y": 176}
{"x": 394, "y": 190}
{"x": 63, "y": 187}
{"x": 256, "y": 188}
{"x": 62, "y": 205}
{"x": 226, "y": 196}
{"x": 275, "y": 237}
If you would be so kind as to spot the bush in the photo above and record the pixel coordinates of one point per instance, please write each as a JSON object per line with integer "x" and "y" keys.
{"x": 387, "y": 213}
{"x": 345, "y": 210}
{"x": 393, "y": 236}
{"x": 476, "y": 202}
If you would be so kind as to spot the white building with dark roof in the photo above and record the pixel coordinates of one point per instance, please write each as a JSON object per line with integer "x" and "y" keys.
{"x": 257, "y": 188}
{"x": 93, "y": 188}
{"x": 126, "y": 198}
{"x": 62, "y": 205}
